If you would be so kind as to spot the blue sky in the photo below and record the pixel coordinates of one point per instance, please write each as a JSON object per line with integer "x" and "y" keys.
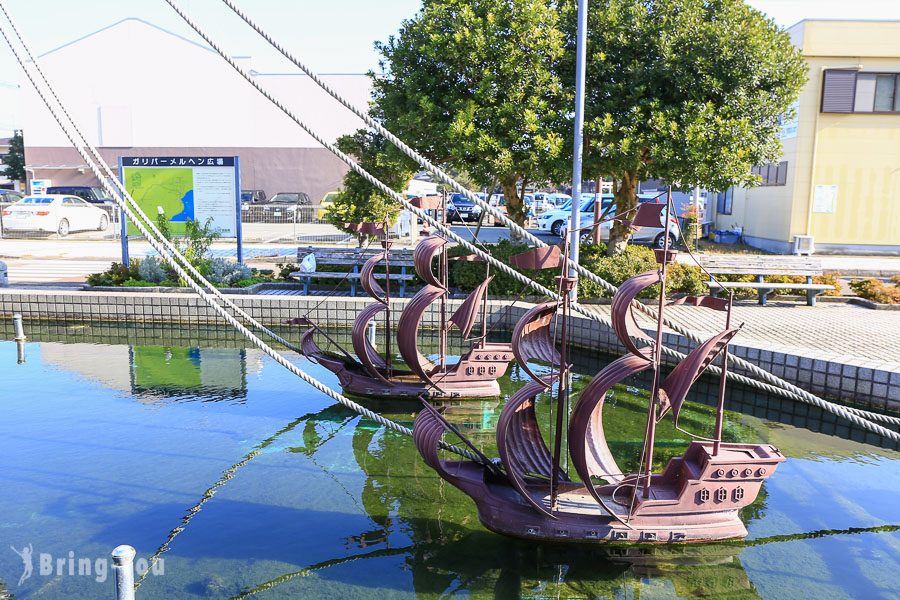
{"x": 333, "y": 36}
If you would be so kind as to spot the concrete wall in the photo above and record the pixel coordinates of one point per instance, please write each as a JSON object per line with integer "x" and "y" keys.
{"x": 858, "y": 383}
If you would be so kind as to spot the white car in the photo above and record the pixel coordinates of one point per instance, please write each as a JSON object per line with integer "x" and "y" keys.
{"x": 54, "y": 213}
{"x": 655, "y": 236}
{"x": 554, "y": 220}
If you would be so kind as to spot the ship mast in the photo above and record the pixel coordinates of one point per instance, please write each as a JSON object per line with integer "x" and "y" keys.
{"x": 720, "y": 407}
{"x": 565, "y": 286}
{"x": 652, "y": 412}
{"x": 386, "y": 243}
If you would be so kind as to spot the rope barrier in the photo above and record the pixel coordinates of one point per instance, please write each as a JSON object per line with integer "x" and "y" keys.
{"x": 156, "y": 245}
{"x": 771, "y": 383}
{"x": 172, "y": 255}
{"x": 121, "y": 191}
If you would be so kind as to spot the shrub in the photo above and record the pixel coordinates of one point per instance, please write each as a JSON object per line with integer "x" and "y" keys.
{"x": 224, "y": 272}
{"x": 152, "y": 269}
{"x": 116, "y": 274}
{"x": 877, "y": 291}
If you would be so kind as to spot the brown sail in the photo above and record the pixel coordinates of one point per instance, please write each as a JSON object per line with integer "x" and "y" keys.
{"x": 520, "y": 444}
{"x": 424, "y": 255}
{"x": 623, "y": 320}
{"x": 408, "y": 332}
{"x": 464, "y": 316}
{"x": 373, "y": 362}
{"x": 532, "y": 338}
{"x": 367, "y": 278}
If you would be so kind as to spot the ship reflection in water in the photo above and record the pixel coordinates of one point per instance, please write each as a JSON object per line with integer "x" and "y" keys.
{"x": 251, "y": 485}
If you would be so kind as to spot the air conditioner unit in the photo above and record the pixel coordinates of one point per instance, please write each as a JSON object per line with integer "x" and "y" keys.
{"x": 804, "y": 244}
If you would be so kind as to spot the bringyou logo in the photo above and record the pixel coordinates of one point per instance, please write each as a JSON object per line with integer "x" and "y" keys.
{"x": 45, "y": 564}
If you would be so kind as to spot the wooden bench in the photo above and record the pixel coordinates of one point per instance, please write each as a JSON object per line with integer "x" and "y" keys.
{"x": 354, "y": 258}
{"x": 761, "y": 266}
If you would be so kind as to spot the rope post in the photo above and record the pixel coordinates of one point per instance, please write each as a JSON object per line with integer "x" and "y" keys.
{"x": 123, "y": 567}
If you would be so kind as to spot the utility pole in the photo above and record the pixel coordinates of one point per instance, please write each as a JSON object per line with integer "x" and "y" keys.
{"x": 580, "y": 53}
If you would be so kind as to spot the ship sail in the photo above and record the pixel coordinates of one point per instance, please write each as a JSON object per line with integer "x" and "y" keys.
{"x": 683, "y": 376}
{"x": 520, "y": 444}
{"x": 533, "y": 340}
{"x": 408, "y": 330}
{"x": 587, "y": 441}
{"x": 623, "y": 320}
{"x": 367, "y": 278}
{"x": 362, "y": 346}
{"x": 424, "y": 255}
{"x": 464, "y": 317}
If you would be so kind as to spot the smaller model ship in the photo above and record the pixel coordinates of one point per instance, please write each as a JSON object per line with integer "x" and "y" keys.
{"x": 366, "y": 372}
{"x": 526, "y": 493}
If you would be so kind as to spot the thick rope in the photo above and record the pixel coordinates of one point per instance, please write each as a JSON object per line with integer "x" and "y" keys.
{"x": 776, "y": 384}
{"x": 156, "y": 245}
{"x": 782, "y": 388}
{"x": 121, "y": 191}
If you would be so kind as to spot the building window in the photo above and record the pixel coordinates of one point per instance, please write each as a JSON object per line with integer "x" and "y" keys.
{"x": 847, "y": 91}
{"x": 774, "y": 174}
{"x": 724, "y": 200}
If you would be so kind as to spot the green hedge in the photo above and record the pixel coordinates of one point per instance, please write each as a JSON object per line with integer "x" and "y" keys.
{"x": 683, "y": 279}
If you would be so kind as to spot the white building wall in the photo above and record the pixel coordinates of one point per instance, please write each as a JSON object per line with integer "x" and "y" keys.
{"x": 136, "y": 89}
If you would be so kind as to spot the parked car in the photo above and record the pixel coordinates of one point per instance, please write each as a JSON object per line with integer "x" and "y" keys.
{"x": 655, "y": 236}
{"x": 9, "y": 196}
{"x": 285, "y": 206}
{"x": 54, "y": 213}
{"x": 460, "y": 208}
{"x": 327, "y": 200}
{"x": 553, "y": 220}
{"x": 253, "y": 196}
{"x": 94, "y": 195}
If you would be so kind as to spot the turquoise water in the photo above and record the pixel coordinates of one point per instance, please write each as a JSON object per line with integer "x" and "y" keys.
{"x": 113, "y": 436}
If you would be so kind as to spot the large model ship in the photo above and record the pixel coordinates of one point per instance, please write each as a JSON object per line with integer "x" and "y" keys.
{"x": 366, "y": 372}
{"x": 526, "y": 493}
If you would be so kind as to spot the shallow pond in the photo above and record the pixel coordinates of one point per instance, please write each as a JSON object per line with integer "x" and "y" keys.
{"x": 254, "y": 485}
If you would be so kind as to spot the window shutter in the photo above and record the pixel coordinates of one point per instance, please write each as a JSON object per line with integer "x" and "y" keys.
{"x": 838, "y": 91}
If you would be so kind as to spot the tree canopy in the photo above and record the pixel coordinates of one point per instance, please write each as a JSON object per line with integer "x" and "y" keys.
{"x": 360, "y": 201}
{"x": 15, "y": 160}
{"x": 474, "y": 85}
{"x": 688, "y": 91}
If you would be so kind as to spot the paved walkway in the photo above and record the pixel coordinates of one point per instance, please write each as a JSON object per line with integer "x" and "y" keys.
{"x": 829, "y": 331}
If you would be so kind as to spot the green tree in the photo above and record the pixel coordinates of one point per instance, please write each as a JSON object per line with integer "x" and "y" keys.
{"x": 15, "y": 160}
{"x": 360, "y": 201}
{"x": 688, "y": 91}
{"x": 473, "y": 85}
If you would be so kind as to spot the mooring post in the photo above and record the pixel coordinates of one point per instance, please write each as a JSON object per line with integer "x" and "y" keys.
{"x": 123, "y": 566}
{"x": 19, "y": 328}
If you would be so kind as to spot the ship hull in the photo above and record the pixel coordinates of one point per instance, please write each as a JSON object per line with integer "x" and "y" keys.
{"x": 679, "y": 510}
{"x": 463, "y": 380}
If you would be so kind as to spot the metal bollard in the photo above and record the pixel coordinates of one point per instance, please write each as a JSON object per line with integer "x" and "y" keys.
{"x": 20, "y": 352}
{"x": 19, "y": 328}
{"x": 123, "y": 566}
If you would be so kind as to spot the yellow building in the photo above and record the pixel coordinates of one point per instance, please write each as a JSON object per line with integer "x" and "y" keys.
{"x": 838, "y": 180}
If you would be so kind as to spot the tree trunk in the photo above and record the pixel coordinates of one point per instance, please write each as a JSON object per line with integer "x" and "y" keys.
{"x": 515, "y": 207}
{"x": 626, "y": 200}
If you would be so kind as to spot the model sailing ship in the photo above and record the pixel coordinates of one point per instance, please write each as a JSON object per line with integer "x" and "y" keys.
{"x": 526, "y": 492}
{"x": 367, "y": 373}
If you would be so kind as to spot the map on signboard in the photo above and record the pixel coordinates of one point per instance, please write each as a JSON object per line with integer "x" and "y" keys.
{"x": 170, "y": 189}
{"x": 185, "y": 188}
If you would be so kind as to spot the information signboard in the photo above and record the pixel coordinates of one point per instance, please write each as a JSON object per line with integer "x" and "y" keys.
{"x": 198, "y": 188}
